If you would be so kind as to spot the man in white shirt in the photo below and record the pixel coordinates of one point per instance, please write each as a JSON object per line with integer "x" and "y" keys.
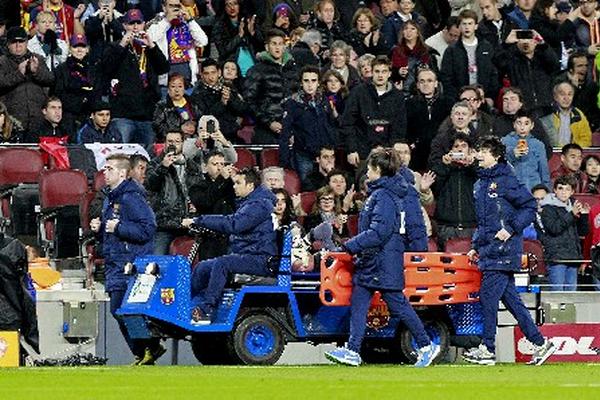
{"x": 444, "y": 38}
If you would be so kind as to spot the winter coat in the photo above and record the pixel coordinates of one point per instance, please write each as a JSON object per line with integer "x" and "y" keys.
{"x": 580, "y": 177}
{"x": 45, "y": 129}
{"x": 134, "y": 234}
{"x": 228, "y": 42}
{"x": 17, "y": 133}
{"x": 388, "y": 227}
{"x": 443, "y": 141}
{"x": 532, "y": 168}
{"x": 501, "y": 202}
{"x": 392, "y": 26}
{"x": 453, "y": 193}
{"x": 328, "y": 36}
{"x": 168, "y": 119}
{"x": 213, "y": 196}
{"x": 356, "y": 39}
{"x": 90, "y": 134}
{"x": 310, "y": 122}
{"x": 370, "y": 120}
{"x": 560, "y": 230}
{"x": 99, "y": 35}
{"x": 24, "y": 95}
{"x": 581, "y": 133}
{"x": 53, "y": 60}
{"x": 504, "y": 124}
{"x": 455, "y": 69}
{"x": 77, "y": 93}
{"x": 251, "y": 227}
{"x": 267, "y": 84}
{"x": 131, "y": 97}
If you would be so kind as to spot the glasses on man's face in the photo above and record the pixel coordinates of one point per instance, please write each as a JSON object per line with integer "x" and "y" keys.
{"x": 328, "y": 198}
{"x": 469, "y": 99}
{"x": 173, "y": 141}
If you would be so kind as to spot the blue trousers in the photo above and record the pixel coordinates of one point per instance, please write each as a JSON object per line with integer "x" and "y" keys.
{"x": 400, "y": 310}
{"x": 500, "y": 285}
{"x": 133, "y": 131}
{"x": 210, "y": 276}
{"x": 303, "y": 165}
{"x": 137, "y": 346}
{"x": 563, "y": 278}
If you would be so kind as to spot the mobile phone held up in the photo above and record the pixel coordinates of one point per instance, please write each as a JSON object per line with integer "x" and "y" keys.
{"x": 524, "y": 34}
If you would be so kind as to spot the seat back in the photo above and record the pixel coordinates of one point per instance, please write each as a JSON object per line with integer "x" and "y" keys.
{"x": 269, "y": 157}
{"x": 245, "y": 158}
{"x": 62, "y": 187}
{"x": 99, "y": 181}
{"x": 292, "y": 182}
{"x": 307, "y": 201}
{"x": 591, "y": 199}
{"x": 19, "y": 165}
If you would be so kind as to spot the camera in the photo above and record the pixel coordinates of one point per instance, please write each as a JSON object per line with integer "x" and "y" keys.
{"x": 210, "y": 126}
{"x": 170, "y": 149}
{"x": 525, "y": 34}
{"x": 457, "y": 155}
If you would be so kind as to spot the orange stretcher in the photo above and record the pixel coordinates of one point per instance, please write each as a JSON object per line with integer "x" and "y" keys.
{"x": 430, "y": 279}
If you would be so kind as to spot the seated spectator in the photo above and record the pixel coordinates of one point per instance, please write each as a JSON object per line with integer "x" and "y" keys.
{"x": 324, "y": 20}
{"x": 339, "y": 55}
{"x": 570, "y": 165}
{"x": 102, "y": 27}
{"x": 11, "y": 129}
{"x": 365, "y": 37}
{"x": 512, "y": 101}
{"x": 325, "y": 163}
{"x": 566, "y": 124}
{"x": 363, "y": 64}
{"x": 77, "y": 84}
{"x": 284, "y": 19}
{"x": 325, "y": 210}
{"x": 456, "y": 173}
{"x": 273, "y": 177}
{"x": 51, "y": 126}
{"x": 563, "y": 222}
{"x": 410, "y": 54}
{"x": 232, "y": 76}
{"x": 344, "y": 198}
{"x": 200, "y": 146}
{"x": 460, "y": 118}
{"x": 539, "y": 192}
{"x": 591, "y": 167}
{"x": 25, "y": 79}
{"x": 176, "y": 112}
{"x": 444, "y": 38}
{"x": 525, "y": 153}
{"x": 46, "y": 43}
{"x": 284, "y": 208}
{"x": 177, "y": 35}
{"x": 336, "y": 92}
{"x": 308, "y": 123}
{"x": 403, "y": 11}
{"x": 215, "y": 96}
{"x": 98, "y": 128}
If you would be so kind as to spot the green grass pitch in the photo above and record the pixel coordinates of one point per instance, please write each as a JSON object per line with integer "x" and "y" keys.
{"x": 506, "y": 382}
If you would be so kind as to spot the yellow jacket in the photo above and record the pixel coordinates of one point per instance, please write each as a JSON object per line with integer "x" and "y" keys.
{"x": 581, "y": 133}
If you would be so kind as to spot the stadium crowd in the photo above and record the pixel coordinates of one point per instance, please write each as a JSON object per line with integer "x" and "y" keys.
{"x": 323, "y": 82}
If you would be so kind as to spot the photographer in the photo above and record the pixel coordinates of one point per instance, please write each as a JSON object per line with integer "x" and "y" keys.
{"x": 46, "y": 43}
{"x": 25, "y": 78}
{"x": 208, "y": 139}
{"x": 168, "y": 180}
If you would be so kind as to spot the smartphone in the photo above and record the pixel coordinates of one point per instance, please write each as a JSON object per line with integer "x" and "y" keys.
{"x": 524, "y": 34}
{"x": 170, "y": 149}
{"x": 210, "y": 126}
{"x": 457, "y": 155}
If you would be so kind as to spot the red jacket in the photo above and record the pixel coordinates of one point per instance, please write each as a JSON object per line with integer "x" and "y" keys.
{"x": 65, "y": 20}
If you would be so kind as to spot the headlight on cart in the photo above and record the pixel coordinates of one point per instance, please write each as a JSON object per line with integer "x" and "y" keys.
{"x": 152, "y": 269}
{"x": 129, "y": 269}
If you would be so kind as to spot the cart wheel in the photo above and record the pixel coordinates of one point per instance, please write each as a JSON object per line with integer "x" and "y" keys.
{"x": 438, "y": 333}
{"x": 211, "y": 349}
{"x": 257, "y": 339}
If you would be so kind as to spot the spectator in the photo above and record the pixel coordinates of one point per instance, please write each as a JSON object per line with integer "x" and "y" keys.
{"x": 403, "y": 11}
{"x": 526, "y": 154}
{"x": 252, "y": 244}
{"x": 325, "y": 163}
{"x": 456, "y": 173}
{"x": 594, "y": 242}
{"x": 300, "y": 10}
{"x": 363, "y": 64}
{"x": 469, "y": 61}
{"x": 237, "y": 38}
{"x": 559, "y": 34}
{"x": 77, "y": 84}
{"x": 176, "y": 112}
{"x": 571, "y": 159}
{"x": 522, "y": 13}
{"x": 365, "y": 36}
{"x": 214, "y": 195}
{"x": 444, "y": 38}
{"x": 539, "y": 192}
{"x": 567, "y": 124}
{"x": 273, "y": 178}
{"x": 410, "y": 54}
{"x": 460, "y": 118}
{"x": 494, "y": 27}
{"x": 170, "y": 176}
{"x": 375, "y": 115}
{"x": 340, "y": 54}
{"x": 3, "y": 47}
{"x": 512, "y": 101}
{"x": 51, "y": 125}
{"x": 587, "y": 35}
{"x": 103, "y": 27}
{"x": 307, "y": 50}
{"x": 336, "y": 92}
{"x": 388, "y": 7}
{"x": 326, "y": 211}
{"x": 25, "y": 78}
{"x": 98, "y": 128}
{"x": 326, "y": 23}
{"x": 232, "y": 76}
{"x": 530, "y": 65}
{"x": 284, "y": 19}
{"x": 284, "y": 209}
{"x": 308, "y": 123}
{"x": 591, "y": 167}
{"x": 11, "y": 129}
{"x": 45, "y": 42}
{"x": 564, "y": 221}
{"x": 65, "y": 17}
{"x": 214, "y": 96}
{"x": 177, "y": 35}
{"x": 132, "y": 67}
{"x": 425, "y": 112}
{"x": 207, "y": 142}
{"x": 344, "y": 197}
{"x": 270, "y": 81}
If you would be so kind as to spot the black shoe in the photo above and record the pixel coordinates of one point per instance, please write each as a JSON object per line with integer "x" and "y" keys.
{"x": 200, "y": 318}
{"x": 150, "y": 356}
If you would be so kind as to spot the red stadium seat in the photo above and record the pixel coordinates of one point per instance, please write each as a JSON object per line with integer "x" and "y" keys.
{"x": 596, "y": 139}
{"x": 269, "y": 157}
{"x": 246, "y": 134}
{"x": 307, "y": 200}
{"x": 554, "y": 162}
{"x": 245, "y": 158}
{"x": 432, "y": 245}
{"x": 458, "y": 245}
{"x": 591, "y": 199}
{"x": 353, "y": 224}
{"x": 291, "y": 182}
{"x": 99, "y": 181}
{"x": 182, "y": 245}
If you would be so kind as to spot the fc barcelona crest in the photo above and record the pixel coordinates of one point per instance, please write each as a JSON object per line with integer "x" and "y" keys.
{"x": 167, "y": 296}
{"x": 379, "y": 314}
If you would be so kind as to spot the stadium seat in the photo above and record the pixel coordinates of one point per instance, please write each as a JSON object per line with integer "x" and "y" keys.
{"x": 554, "y": 162}
{"x": 352, "y": 224}
{"x": 292, "y": 182}
{"x": 246, "y": 133}
{"x": 458, "y": 245}
{"x": 591, "y": 199}
{"x": 245, "y": 158}
{"x": 182, "y": 245}
{"x": 596, "y": 139}
{"x": 535, "y": 248}
{"x": 432, "y": 245}
{"x": 269, "y": 157}
{"x": 307, "y": 201}
{"x": 99, "y": 181}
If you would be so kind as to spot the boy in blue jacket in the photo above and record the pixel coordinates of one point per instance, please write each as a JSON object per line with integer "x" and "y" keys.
{"x": 504, "y": 207}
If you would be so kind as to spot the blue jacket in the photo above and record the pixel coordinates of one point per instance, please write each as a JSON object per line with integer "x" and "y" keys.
{"x": 89, "y": 134}
{"x": 388, "y": 224}
{"x": 532, "y": 168}
{"x": 251, "y": 226}
{"x": 393, "y": 23}
{"x": 134, "y": 234}
{"x": 501, "y": 202}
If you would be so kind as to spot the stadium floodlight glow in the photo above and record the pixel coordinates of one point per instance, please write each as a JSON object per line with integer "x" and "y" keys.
{"x": 152, "y": 269}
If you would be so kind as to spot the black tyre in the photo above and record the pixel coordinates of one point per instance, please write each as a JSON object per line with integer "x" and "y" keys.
{"x": 438, "y": 333}
{"x": 257, "y": 339}
{"x": 211, "y": 350}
